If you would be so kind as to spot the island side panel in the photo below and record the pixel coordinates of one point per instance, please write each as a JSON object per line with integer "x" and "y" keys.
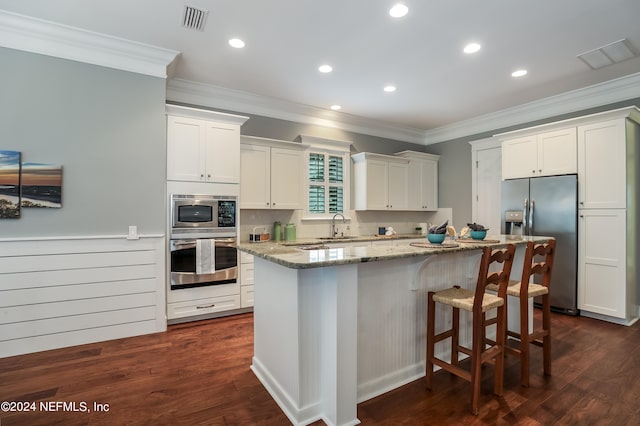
{"x": 276, "y": 345}
{"x": 305, "y": 350}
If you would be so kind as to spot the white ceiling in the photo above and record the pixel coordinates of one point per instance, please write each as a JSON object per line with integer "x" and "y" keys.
{"x": 437, "y": 84}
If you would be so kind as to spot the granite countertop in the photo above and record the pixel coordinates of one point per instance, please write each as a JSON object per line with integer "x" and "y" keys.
{"x": 314, "y": 253}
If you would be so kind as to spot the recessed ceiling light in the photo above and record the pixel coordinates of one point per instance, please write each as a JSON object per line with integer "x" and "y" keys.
{"x": 389, "y": 88}
{"x": 519, "y": 73}
{"x": 398, "y": 10}
{"x": 325, "y": 68}
{"x": 472, "y": 48}
{"x": 237, "y": 43}
{"x": 335, "y": 107}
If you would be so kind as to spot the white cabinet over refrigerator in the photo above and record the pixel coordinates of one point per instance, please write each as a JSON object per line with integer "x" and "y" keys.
{"x": 539, "y": 154}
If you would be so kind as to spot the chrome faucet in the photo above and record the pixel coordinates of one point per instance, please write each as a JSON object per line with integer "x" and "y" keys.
{"x": 334, "y": 232}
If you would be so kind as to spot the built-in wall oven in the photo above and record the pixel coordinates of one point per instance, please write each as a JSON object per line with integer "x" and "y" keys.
{"x": 203, "y": 240}
{"x": 203, "y": 262}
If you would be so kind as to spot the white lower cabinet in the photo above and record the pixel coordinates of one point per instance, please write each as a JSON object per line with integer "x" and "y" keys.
{"x": 602, "y": 280}
{"x": 246, "y": 280}
{"x": 197, "y": 307}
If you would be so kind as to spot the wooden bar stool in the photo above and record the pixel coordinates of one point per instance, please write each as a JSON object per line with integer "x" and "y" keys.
{"x": 478, "y": 303}
{"x": 540, "y": 336}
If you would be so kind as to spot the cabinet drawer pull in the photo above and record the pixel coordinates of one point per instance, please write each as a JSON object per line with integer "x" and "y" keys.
{"x": 206, "y": 307}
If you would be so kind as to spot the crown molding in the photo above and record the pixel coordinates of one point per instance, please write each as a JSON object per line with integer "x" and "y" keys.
{"x": 609, "y": 92}
{"x": 33, "y": 35}
{"x": 194, "y": 93}
{"x": 183, "y": 111}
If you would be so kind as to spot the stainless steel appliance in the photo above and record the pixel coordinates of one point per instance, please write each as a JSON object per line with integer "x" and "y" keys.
{"x": 203, "y": 262}
{"x": 548, "y": 206}
{"x": 203, "y": 240}
{"x": 203, "y": 216}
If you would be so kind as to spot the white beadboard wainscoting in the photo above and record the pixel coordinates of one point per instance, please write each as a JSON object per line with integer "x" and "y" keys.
{"x": 59, "y": 292}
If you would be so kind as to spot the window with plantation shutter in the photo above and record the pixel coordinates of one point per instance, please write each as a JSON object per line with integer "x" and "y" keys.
{"x": 326, "y": 183}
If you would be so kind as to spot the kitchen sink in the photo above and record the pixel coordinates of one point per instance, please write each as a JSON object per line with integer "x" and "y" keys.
{"x": 313, "y": 247}
{"x": 340, "y": 238}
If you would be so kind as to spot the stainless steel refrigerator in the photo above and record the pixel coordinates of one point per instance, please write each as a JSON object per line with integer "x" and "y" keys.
{"x": 548, "y": 206}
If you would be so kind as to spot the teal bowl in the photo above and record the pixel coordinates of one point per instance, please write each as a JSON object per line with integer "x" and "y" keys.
{"x": 436, "y": 238}
{"x": 479, "y": 235}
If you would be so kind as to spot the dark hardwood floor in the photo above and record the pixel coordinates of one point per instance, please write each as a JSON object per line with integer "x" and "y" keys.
{"x": 198, "y": 374}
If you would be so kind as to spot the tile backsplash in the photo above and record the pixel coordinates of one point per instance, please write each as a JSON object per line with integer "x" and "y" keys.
{"x": 357, "y": 223}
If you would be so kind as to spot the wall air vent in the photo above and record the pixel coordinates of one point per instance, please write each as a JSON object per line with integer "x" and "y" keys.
{"x": 194, "y": 18}
{"x": 610, "y": 54}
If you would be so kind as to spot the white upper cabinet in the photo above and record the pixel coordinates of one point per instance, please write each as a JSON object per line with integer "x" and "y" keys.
{"x": 271, "y": 174}
{"x": 255, "y": 176}
{"x": 203, "y": 146}
{"x": 380, "y": 182}
{"x": 423, "y": 180}
{"x": 602, "y": 165}
{"x": 542, "y": 154}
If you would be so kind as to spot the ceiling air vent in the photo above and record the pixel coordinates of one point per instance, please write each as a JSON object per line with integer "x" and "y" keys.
{"x": 193, "y": 18}
{"x": 610, "y": 54}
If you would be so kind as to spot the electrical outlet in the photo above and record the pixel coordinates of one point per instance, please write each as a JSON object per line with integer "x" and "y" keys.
{"x": 133, "y": 233}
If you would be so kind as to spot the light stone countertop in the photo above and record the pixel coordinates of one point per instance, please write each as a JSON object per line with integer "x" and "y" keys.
{"x": 326, "y": 252}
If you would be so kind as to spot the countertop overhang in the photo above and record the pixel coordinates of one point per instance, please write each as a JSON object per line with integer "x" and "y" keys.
{"x": 302, "y": 254}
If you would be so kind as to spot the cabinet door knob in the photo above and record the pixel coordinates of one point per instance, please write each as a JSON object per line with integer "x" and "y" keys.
{"x": 201, "y": 175}
{"x": 267, "y": 203}
{"x": 209, "y": 176}
{"x": 540, "y": 171}
{"x": 533, "y": 171}
{"x": 582, "y": 203}
{"x": 582, "y": 215}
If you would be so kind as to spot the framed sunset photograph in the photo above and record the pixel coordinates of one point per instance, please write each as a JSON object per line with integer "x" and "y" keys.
{"x": 9, "y": 184}
{"x": 41, "y": 185}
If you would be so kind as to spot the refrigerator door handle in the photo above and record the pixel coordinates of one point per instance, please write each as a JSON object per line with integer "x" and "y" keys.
{"x": 524, "y": 216}
{"x": 533, "y": 203}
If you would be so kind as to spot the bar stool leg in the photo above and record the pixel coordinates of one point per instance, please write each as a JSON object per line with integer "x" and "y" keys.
{"x": 524, "y": 340}
{"x": 476, "y": 364}
{"x": 546, "y": 340}
{"x": 455, "y": 337}
{"x": 501, "y": 340}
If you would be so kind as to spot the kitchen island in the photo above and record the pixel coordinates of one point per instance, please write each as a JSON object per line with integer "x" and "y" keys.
{"x": 337, "y": 325}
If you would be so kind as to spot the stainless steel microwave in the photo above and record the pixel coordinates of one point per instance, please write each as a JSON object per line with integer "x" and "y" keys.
{"x": 203, "y": 216}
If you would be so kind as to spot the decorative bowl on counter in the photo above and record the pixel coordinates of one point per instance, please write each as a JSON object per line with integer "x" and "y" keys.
{"x": 436, "y": 238}
{"x": 479, "y": 235}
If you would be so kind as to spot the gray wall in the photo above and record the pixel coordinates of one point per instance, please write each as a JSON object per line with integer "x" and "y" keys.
{"x": 105, "y": 127}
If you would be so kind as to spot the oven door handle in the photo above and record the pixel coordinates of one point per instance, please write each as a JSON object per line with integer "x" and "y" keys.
{"x": 226, "y": 242}
{"x": 182, "y": 244}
